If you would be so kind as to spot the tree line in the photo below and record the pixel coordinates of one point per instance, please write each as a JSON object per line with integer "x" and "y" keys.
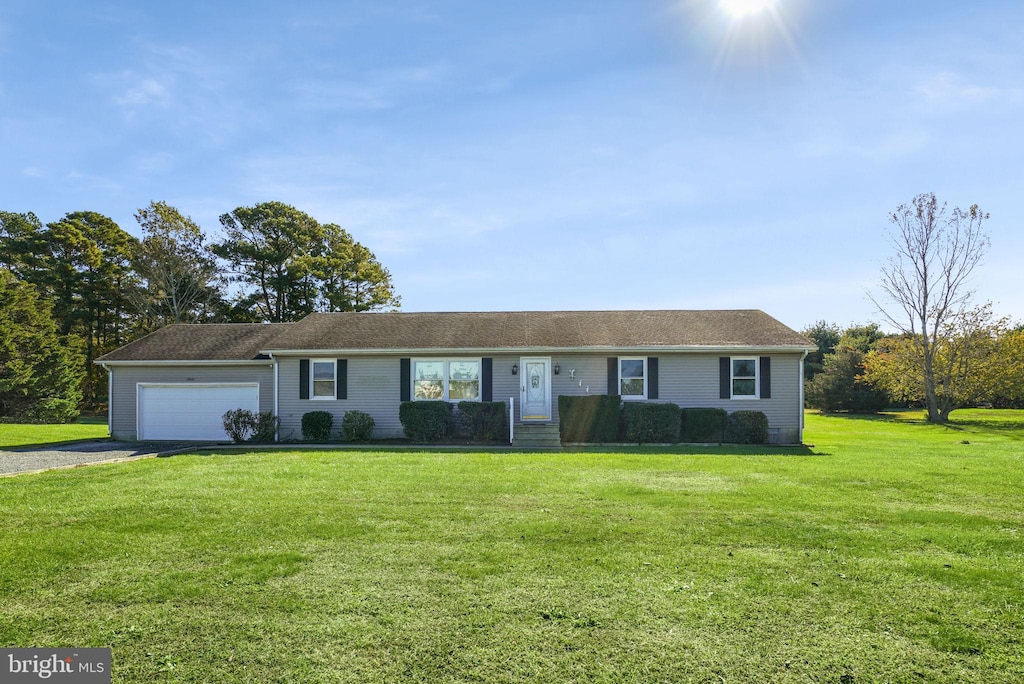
{"x": 949, "y": 351}
{"x": 84, "y": 285}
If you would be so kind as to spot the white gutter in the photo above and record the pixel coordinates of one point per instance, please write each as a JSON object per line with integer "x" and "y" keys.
{"x": 483, "y": 351}
{"x": 188, "y": 362}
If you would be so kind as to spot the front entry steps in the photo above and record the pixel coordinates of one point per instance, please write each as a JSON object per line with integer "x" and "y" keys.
{"x": 536, "y": 436}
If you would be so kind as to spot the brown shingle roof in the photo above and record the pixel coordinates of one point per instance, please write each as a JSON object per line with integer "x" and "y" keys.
{"x": 200, "y": 342}
{"x": 465, "y": 330}
{"x": 537, "y": 330}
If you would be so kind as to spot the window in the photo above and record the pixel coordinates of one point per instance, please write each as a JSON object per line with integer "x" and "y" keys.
{"x": 446, "y": 379}
{"x": 323, "y": 379}
{"x": 632, "y": 378}
{"x": 744, "y": 378}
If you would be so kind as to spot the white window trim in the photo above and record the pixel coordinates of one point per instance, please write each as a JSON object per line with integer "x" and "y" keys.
{"x": 733, "y": 378}
{"x": 312, "y": 385}
{"x": 445, "y": 373}
{"x": 633, "y": 397}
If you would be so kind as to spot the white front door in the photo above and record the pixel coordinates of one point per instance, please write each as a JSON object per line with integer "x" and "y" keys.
{"x": 535, "y": 390}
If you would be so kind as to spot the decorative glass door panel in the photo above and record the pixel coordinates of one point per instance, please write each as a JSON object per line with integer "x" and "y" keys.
{"x": 535, "y": 399}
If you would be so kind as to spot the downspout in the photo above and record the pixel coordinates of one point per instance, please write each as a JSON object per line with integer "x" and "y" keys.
{"x": 277, "y": 429}
{"x": 801, "y": 435}
{"x": 110, "y": 399}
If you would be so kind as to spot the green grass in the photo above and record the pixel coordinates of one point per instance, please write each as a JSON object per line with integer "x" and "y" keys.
{"x": 890, "y": 551}
{"x": 21, "y": 434}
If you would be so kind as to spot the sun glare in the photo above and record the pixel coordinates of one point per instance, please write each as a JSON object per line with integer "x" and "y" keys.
{"x": 739, "y": 9}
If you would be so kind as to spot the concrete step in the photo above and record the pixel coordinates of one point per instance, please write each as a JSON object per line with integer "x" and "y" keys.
{"x": 536, "y": 436}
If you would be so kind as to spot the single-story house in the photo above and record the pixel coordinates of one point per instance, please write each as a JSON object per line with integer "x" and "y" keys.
{"x": 177, "y": 382}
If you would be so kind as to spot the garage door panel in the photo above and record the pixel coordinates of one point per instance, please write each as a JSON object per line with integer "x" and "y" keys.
{"x": 191, "y": 412}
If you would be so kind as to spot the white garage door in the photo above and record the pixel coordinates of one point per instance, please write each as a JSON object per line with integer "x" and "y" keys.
{"x": 192, "y": 412}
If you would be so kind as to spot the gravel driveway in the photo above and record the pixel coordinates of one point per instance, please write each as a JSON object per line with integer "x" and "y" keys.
{"x": 81, "y": 453}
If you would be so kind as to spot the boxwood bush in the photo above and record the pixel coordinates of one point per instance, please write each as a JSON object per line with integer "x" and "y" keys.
{"x": 486, "y": 421}
{"x": 316, "y": 425}
{"x": 426, "y": 421}
{"x": 746, "y": 427}
{"x": 243, "y": 425}
{"x": 591, "y": 418}
{"x": 357, "y": 426}
{"x": 649, "y": 422}
{"x": 703, "y": 424}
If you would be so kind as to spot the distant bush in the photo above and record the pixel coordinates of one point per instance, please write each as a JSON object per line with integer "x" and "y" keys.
{"x": 746, "y": 427}
{"x": 702, "y": 424}
{"x": 841, "y": 385}
{"x": 592, "y": 418}
{"x": 316, "y": 425}
{"x": 426, "y": 421}
{"x": 357, "y": 426}
{"x": 649, "y": 422}
{"x": 486, "y": 421}
{"x": 52, "y": 410}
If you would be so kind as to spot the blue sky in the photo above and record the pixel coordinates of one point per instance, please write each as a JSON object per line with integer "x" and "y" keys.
{"x": 539, "y": 155}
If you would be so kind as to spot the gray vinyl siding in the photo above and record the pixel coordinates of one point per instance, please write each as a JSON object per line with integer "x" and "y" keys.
{"x": 691, "y": 381}
{"x": 125, "y": 380}
{"x": 373, "y": 388}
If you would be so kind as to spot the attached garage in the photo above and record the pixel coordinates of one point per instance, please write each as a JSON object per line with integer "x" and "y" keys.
{"x": 191, "y": 411}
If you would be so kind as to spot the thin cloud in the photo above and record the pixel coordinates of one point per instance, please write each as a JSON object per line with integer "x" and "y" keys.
{"x": 949, "y": 87}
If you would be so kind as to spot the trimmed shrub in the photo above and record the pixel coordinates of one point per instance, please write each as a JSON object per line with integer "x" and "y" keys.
{"x": 590, "y": 418}
{"x": 357, "y": 426}
{"x": 703, "y": 424}
{"x": 486, "y": 421}
{"x": 264, "y": 427}
{"x": 746, "y": 427}
{"x": 239, "y": 424}
{"x": 316, "y": 425}
{"x": 646, "y": 422}
{"x": 426, "y": 421}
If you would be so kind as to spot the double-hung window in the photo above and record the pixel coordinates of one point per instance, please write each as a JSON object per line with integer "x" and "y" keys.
{"x": 323, "y": 378}
{"x": 446, "y": 379}
{"x": 744, "y": 378}
{"x": 633, "y": 378}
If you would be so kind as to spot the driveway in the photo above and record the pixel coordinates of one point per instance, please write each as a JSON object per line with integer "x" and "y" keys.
{"x": 35, "y": 459}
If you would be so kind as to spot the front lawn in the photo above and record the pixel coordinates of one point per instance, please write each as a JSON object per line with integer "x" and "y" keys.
{"x": 22, "y": 434}
{"x": 890, "y": 551}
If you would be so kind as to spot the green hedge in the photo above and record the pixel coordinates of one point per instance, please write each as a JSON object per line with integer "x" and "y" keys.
{"x": 703, "y": 425}
{"x": 486, "y": 421}
{"x": 747, "y": 427}
{"x": 649, "y": 422}
{"x": 357, "y": 426}
{"x": 316, "y": 425}
{"x": 591, "y": 418}
{"x": 426, "y": 421}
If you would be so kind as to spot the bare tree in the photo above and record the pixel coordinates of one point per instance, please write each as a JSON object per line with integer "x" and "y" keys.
{"x": 936, "y": 252}
{"x": 181, "y": 278}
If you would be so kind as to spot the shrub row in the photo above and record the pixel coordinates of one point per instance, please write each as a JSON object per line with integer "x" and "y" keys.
{"x": 591, "y": 418}
{"x": 433, "y": 421}
{"x": 356, "y": 426}
{"x": 602, "y": 418}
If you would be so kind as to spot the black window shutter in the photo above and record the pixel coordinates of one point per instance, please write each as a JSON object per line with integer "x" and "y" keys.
{"x": 766, "y": 377}
{"x": 303, "y": 378}
{"x": 613, "y": 376}
{"x": 724, "y": 377}
{"x": 652, "y": 377}
{"x": 341, "y": 381}
{"x": 486, "y": 393}
{"x": 405, "y": 378}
